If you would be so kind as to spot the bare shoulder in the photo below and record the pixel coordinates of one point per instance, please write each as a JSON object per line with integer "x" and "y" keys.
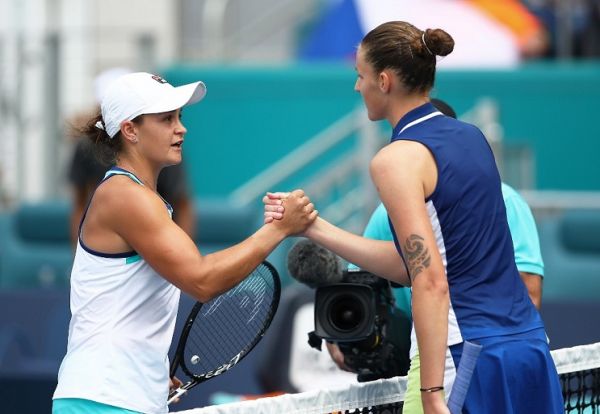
{"x": 122, "y": 191}
{"x": 123, "y": 202}
{"x": 401, "y": 156}
{"x": 405, "y": 164}
{"x": 134, "y": 217}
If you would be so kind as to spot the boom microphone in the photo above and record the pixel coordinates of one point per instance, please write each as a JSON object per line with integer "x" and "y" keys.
{"x": 313, "y": 265}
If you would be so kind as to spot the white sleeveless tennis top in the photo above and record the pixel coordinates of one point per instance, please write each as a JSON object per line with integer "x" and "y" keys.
{"x": 122, "y": 323}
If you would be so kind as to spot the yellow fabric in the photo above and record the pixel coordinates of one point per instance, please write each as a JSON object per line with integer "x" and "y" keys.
{"x": 412, "y": 398}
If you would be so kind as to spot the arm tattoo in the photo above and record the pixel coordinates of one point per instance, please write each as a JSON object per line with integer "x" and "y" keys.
{"x": 417, "y": 255}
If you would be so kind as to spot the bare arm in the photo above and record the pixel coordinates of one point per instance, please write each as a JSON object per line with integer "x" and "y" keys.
{"x": 533, "y": 283}
{"x": 526, "y": 243}
{"x": 136, "y": 217}
{"x": 376, "y": 256}
{"x": 404, "y": 174}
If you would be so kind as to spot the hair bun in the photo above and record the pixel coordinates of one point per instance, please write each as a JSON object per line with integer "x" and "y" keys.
{"x": 438, "y": 42}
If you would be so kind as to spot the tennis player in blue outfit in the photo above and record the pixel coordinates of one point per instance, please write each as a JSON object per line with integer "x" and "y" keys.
{"x": 440, "y": 185}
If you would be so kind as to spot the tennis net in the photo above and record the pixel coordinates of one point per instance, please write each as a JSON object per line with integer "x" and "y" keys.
{"x": 578, "y": 368}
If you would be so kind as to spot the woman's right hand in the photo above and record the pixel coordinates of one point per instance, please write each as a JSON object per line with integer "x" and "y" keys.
{"x": 297, "y": 215}
{"x": 175, "y": 383}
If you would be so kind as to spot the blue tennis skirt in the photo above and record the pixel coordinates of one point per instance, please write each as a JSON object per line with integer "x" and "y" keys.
{"x": 514, "y": 374}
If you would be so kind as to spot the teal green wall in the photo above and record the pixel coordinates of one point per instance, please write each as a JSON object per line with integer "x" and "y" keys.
{"x": 553, "y": 108}
{"x": 252, "y": 117}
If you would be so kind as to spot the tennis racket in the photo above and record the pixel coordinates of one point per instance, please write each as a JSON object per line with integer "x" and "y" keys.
{"x": 468, "y": 360}
{"x": 221, "y": 332}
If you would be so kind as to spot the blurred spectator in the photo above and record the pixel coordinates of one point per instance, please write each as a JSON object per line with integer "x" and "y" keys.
{"x": 87, "y": 170}
{"x": 573, "y": 26}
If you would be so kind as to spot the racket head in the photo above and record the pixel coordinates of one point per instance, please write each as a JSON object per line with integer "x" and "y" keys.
{"x": 221, "y": 332}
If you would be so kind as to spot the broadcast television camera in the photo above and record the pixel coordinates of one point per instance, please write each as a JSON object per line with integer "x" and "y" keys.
{"x": 356, "y": 311}
{"x": 358, "y": 314}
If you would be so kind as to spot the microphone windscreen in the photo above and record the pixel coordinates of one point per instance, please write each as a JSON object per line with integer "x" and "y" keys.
{"x": 314, "y": 265}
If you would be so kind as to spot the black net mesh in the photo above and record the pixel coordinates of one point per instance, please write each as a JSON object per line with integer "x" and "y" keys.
{"x": 581, "y": 391}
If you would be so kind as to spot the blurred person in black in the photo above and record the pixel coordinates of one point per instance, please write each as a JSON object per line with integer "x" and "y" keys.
{"x": 87, "y": 168}
{"x": 573, "y": 26}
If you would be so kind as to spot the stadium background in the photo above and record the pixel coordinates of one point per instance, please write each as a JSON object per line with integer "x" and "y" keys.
{"x": 267, "y": 96}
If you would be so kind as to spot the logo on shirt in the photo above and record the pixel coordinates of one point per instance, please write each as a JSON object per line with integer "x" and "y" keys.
{"x": 158, "y": 79}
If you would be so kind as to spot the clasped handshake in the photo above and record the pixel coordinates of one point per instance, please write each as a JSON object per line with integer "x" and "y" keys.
{"x": 293, "y": 212}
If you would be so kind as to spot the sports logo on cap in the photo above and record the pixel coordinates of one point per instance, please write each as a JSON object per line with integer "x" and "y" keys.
{"x": 158, "y": 79}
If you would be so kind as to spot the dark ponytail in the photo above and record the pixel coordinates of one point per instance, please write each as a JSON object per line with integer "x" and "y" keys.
{"x": 106, "y": 148}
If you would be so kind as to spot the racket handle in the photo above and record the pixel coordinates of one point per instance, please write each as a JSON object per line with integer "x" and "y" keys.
{"x": 468, "y": 360}
{"x": 175, "y": 394}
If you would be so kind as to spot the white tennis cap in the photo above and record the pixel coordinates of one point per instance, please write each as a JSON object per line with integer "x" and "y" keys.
{"x": 105, "y": 78}
{"x": 141, "y": 93}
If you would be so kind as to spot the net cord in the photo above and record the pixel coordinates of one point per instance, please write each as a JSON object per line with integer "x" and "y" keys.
{"x": 375, "y": 393}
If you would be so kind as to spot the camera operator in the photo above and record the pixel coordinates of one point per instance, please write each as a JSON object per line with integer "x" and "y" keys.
{"x": 355, "y": 309}
{"x": 378, "y": 229}
{"x": 359, "y": 315}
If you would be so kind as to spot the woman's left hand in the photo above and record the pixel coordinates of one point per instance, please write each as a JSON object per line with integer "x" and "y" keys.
{"x": 434, "y": 403}
{"x": 274, "y": 208}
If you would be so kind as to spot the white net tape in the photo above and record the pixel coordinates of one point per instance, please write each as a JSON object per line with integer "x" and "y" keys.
{"x": 577, "y": 358}
{"x": 383, "y": 391}
{"x": 374, "y": 393}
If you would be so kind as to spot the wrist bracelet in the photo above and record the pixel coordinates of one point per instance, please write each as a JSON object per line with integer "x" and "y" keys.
{"x": 432, "y": 389}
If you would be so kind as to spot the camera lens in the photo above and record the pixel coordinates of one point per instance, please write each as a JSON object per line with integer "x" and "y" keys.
{"x": 346, "y": 313}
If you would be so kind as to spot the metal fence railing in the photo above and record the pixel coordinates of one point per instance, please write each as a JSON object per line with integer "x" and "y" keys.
{"x": 342, "y": 189}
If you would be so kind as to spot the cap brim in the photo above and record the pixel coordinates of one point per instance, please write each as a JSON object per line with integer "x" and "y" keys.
{"x": 179, "y": 97}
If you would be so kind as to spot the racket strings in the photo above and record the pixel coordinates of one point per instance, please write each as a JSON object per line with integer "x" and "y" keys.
{"x": 212, "y": 353}
{"x": 230, "y": 324}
